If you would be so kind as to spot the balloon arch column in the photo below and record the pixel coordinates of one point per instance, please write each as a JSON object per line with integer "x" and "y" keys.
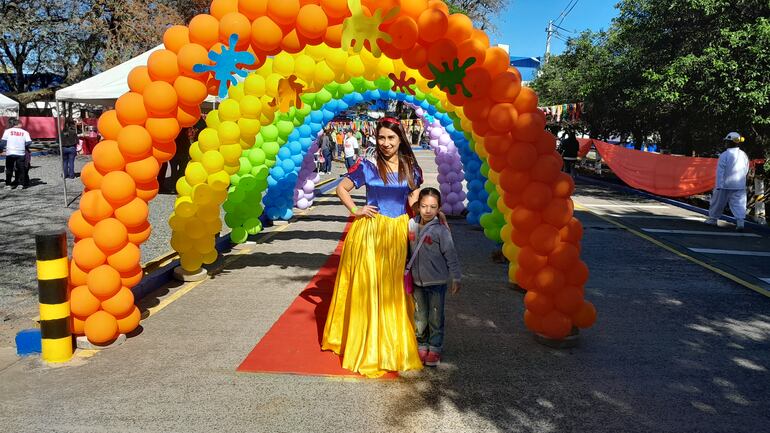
{"x": 297, "y": 56}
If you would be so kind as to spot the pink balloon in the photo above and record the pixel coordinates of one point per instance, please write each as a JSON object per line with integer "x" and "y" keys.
{"x": 445, "y": 140}
{"x": 303, "y": 203}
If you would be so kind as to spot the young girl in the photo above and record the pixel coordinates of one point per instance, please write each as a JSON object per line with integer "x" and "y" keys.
{"x": 434, "y": 266}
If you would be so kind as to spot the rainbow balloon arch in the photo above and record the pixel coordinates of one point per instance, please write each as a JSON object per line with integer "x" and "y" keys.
{"x": 301, "y": 63}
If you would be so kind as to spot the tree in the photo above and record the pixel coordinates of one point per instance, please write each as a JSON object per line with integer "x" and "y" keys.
{"x": 480, "y": 11}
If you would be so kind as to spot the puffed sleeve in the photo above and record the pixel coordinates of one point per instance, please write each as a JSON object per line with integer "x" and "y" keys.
{"x": 357, "y": 174}
{"x": 417, "y": 176}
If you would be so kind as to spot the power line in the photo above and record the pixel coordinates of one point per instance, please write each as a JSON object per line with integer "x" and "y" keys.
{"x": 567, "y": 9}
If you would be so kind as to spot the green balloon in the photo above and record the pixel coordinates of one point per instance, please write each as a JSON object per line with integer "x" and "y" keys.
{"x": 244, "y": 165}
{"x": 383, "y": 83}
{"x": 261, "y": 172}
{"x": 304, "y": 112}
{"x": 308, "y": 99}
{"x": 359, "y": 83}
{"x": 234, "y": 219}
{"x": 369, "y": 85}
{"x": 269, "y": 162}
{"x": 262, "y": 183}
{"x": 492, "y": 201}
{"x": 486, "y": 220}
{"x": 284, "y": 128}
{"x": 248, "y": 182}
{"x": 432, "y": 99}
{"x": 252, "y": 226}
{"x": 269, "y": 133}
{"x": 323, "y": 96}
{"x": 259, "y": 140}
{"x": 418, "y": 94}
{"x": 256, "y": 157}
{"x": 489, "y": 186}
{"x": 347, "y": 87}
{"x": 237, "y": 195}
{"x": 238, "y": 235}
{"x": 235, "y": 179}
{"x": 484, "y": 169}
{"x": 228, "y": 206}
{"x": 270, "y": 149}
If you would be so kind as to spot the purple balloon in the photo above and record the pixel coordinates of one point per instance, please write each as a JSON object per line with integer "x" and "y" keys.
{"x": 458, "y": 208}
{"x": 451, "y": 177}
{"x": 452, "y": 198}
{"x": 461, "y": 196}
{"x": 433, "y": 143}
{"x": 435, "y": 133}
{"x": 445, "y": 140}
{"x": 456, "y": 187}
{"x": 441, "y": 178}
{"x": 308, "y": 187}
{"x": 316, "y": 178}
{"x": 447, "y": 208}
{"x": 303, "y": 203}
{"x": 445, "y": 189}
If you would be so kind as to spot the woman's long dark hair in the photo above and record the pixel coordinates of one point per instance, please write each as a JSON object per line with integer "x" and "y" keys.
{"x": 407, "y": 163}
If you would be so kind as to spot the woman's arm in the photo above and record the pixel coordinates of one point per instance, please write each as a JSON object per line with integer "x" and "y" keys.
{"x": 343, "y": 192}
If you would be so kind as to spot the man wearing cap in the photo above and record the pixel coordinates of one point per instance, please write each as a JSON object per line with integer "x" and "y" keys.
{"x": 15, "y": 141}
{"x": 732, "y": 168}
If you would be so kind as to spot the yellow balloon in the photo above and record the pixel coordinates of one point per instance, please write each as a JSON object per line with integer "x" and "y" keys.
{"x": 231, "y": 153}
{"x": 267, "y": 68}
{"x": 251, "y": 107}
{"x": 385, "y": 66}
{"x": 229, "y": 110}
{"x": 271, "y": 84}
{"x": 494, "y": 177}
{"x": 254, "y": 85}
{"x": 235, "y": 93}
{"x": 195, "y": 173}
{"x": 195, "y": 152}
{"x": 209, "y": 212}
{"x": 323, "y": 74}
{"x": 212, "y": 119}
{"x": 229, "y": 132}
{"x": 213, "y": 226}
{"x": 231, "y": 169}
{"x": 194, "y": 229}
{"x": 182, "y": 187}
{"x": 190, "y": 261}
{"x": 213, "y": 161}
{"x": 354, "y": 66}
{"x": 510, "y": 250}
{"x": 208, "y": 139}
{"x": 184, "y": 207}
{"x": 304, "y": 66}
{"x": 336, "y": 59}
{"x": 219, "y": 180}
{"x": 249, "y": 128}
{"x": 283, "y": 63}
{"x": 512, "y": 268}
{"x": 180, "y": 242}
{"x": 505, "y": 235}
{"x": 204, "y": 245}
{"x": 176, "y": 222}
{"x": 210, "y": 257}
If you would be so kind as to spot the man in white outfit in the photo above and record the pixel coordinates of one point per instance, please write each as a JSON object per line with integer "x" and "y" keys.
{"x": 732, "y": 168}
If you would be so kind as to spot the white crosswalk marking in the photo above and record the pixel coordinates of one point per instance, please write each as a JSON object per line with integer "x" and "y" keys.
{"x": 730, "y": 252}
{"x": 701, "y": 232}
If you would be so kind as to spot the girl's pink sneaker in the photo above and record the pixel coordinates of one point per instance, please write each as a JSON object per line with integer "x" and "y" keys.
{"x": 433, "y": 359}
{"x": 423, "y": 353}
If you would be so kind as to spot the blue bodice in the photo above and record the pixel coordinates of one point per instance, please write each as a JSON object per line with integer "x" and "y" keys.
{"x": 390, "y": 198}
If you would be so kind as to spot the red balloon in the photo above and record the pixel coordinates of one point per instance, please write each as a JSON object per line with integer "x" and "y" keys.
{"x": 544, "y": 239}
{"x": 520, "y": 237}
{"x": 556, "y": 325}
{"x": 558, "y": 212}
{"x": 563, "y": 186}
{"x": 524, "y": 219}
{"x": 498, "y": 144}
{"x": 531, "y": 260}
{"x": 512, "y": 180}
{"x": 538, "y": 303}
{"x": 577, "y": 275}
{"x": 533, "y": 322}
{"x": 572, "y": 232}
{"x": 549, "y": 280}
{"x": 523, "y": 156}
{"x": 586, "y": 316}
{"x": 536, "y": 195}
{"x": 546, "y": 168}
{"x": 569, "y": 300}
{"x": 564, "y": 256}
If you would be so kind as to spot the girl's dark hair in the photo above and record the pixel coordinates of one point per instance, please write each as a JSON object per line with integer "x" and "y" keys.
{"x": 432, "y": 192}
{"x": 407, "y": 163}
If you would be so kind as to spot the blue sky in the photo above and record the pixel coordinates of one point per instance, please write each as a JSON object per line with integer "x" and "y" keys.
{"x": 522, "y": 25}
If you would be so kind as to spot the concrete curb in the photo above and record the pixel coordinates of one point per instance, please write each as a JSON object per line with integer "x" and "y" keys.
{"x": 704, "y": 212}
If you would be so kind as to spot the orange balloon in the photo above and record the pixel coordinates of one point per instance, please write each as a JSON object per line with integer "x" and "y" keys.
{"x": 220, "y": 8}
{"x": 291, "y": 43}
{"x": 126, "y": 259}
{"x": 505, "y": 88}
{"x": 549, "y": 280}
{"x": 498, "y": 144}
{"x": 524, "y": 278}
{"x": 525, "y": 220}
{"x": 404, "y": 32}
{"x": 546, "y": 169}
{"x": 163, "y": 65}
{"x": 563, "y": 186}
{"x": 432, "y": 24}
{"x": 502, "y": 117}
{"x": 481, "y": 127}
{"x": 333, "y": 36}
{"x": 586, "y": 316}
{"x": 101, "y": 327}
{"x": 190, "y": 91}
{"x": 174, "y": 38}
{"x": 147, "y": 190}
{"x": 438, "y": 4}
{"x": 529, "y": 126}
{"x": 82, "y": 302}
{"x": 130, "y": 109}
{"x": 118, "y": 188}
{"x": 266, "y": 35}
{"x": 514, "y": 181}
{"x": 78, "y": 277}
{"x": 558, "y": 212}
{"x": 189, "y": 56}
{"x": 91, "y": 177}
{"x": 144, "y": 170}
{"x": 130, "y": 322}
{"x": 133, "y": 214}
{"x": 442, "y": 51}
{"x": 103, "y": 281}
{"x": 512, "y": 199}
{"x": 389, "y": 50}
{"x": 472, "y": 48}
{"x": 416, "y": 58}
{"x": 522, "y": 156}
{"x": 110, "y": 235}
{"x": 335, "y": 9}
{"x": 163, "y": 129}
{"x": 538, "y": 303}
{"x": 413, "y": 8}
{"x": 120, "y": 304}
{"x": 107, "y": 157}
{"x": 204, "y": 30}
{"x": 545, "y": 143}
{"x": 577, "y": 275}
{"x": 77, "y": 325}
{"x": 108, "y": 125}
{"x": 188, "y": 115}
{"x": 79, "y": 227}
{"x": 533, "y": 321}
{"x": 94, "y": 206}
{"x": 137, "y": 235}
{"x": 496, "y": 61}
{"x": 312, "y": 21}
{"x": 138, "y": 79}
{"x": 536, "y": 195}
{"x": 482, "y": 36}
{"x": 131, "y": 278}
{"x": 235, "y": 23}
{"x": 572, "y": 232}
{"x": 496, "y": 162}
{"x": 526, "y": 101}
{"x": 164, "y": 150}
{"x": 135, "y": 142}
{"x": 544, "y": 239}
{"x": 556, "y": 325}
{"x": 253, "y": 9}
{"x": 283, "y": 12}
{"x": 569, "y": 300}
{"x": 477, "y": 109}
{"x": 531, "y": 260}
{"x": 459, "y": 27}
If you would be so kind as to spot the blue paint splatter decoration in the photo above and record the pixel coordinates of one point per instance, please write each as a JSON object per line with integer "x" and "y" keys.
{"x": 226, "y": 65}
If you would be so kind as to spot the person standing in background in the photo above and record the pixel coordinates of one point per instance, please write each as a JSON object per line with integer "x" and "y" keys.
{"x": 69, "y": 143}
{"x": 15, "y": 142}
{"x": 732, "y": 169}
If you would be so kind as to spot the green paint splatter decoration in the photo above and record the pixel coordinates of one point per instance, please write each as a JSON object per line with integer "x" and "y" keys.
{"x": 450, "y": 77}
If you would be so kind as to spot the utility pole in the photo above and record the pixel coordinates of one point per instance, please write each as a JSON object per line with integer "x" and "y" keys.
{"x": 549, "y": 31}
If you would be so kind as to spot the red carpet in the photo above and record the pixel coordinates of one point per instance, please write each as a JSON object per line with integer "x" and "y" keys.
{"x": 293, "y": 344}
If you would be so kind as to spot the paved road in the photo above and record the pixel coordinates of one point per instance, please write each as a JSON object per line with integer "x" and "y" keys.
{"x": 676, "y": 349}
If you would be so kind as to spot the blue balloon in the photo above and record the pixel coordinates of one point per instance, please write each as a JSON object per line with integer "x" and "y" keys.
{"x": 328, "y": 116}
{"x": 331, "y": 105}
{"x": 284, "y": 152}
{"x": 317, "y": 116}
{"x": 287, "y": 165}
{"x": 315, "y": 128}
{"x": 358, "y": 97}
{"x": 342, "y": 105}
{"x": 305, "y": 143}
{"x": 287, "y": 214}
{"x": 472, "y": 218}
{"x": 277, "y": 172}
{"x": 291, "y": 180}
{"x": 304, "y": 130}
{"x": 273, "y": 213}
{"x": 271, "y": 182}
{"x": 350, "y": 99}
{"x": 297, "y": 160}
{"x": 475, "y": 207}
{"x": 376, "y": 94}
{"x": 294, "y": 135}
{"x": 391, "y": 94}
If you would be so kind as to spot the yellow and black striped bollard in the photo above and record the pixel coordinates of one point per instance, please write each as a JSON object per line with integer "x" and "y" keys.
{"x": 52, "y": 280}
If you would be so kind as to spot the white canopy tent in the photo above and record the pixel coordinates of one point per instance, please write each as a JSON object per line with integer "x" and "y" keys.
{"x": 8, "y": 107}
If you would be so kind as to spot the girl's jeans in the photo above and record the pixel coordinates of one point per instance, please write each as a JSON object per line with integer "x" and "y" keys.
{"x": 429, "y": 316}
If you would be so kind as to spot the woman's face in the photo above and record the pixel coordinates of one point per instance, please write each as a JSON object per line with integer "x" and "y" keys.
{"x": 428, "y": 208}
{"x": 388, "y": 142}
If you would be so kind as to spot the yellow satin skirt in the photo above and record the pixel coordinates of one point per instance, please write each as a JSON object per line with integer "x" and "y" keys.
{"x": 370, "y": 322}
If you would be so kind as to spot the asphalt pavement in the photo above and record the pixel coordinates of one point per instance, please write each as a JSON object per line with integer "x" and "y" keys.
{"x": 677, "y": 348}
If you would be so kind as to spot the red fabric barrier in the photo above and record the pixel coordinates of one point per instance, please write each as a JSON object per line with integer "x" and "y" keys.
{"x": 666, "y": 175}
{"x": 585, "y": 146}
{"x": 38, "y": 127}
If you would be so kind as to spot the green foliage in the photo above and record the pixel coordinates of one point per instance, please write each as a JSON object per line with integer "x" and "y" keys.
{"x": 684, "y": 72}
